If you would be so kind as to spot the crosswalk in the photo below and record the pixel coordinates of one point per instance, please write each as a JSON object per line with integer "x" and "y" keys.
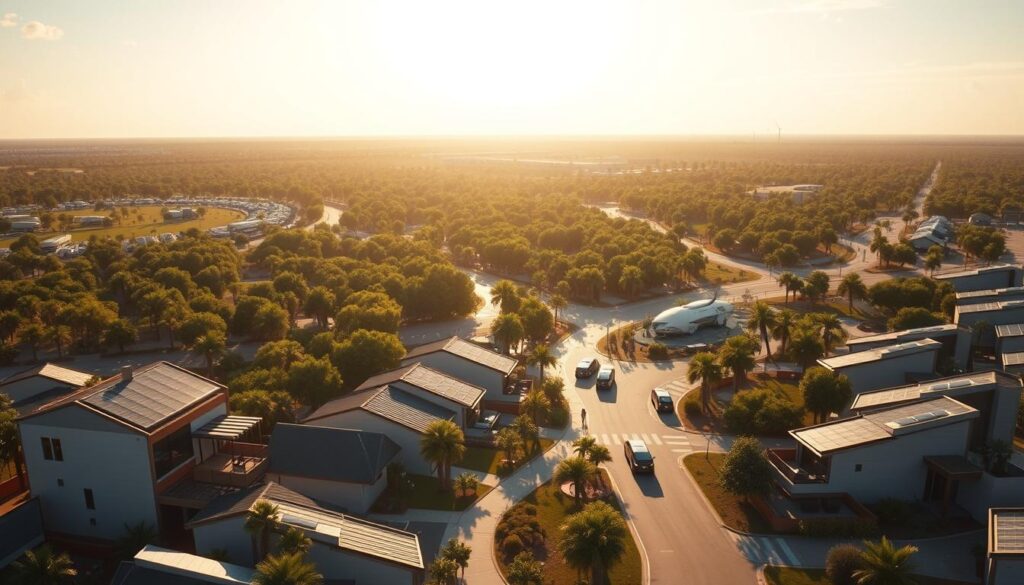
{"x": 677, "y": 443}
{"x": 766, "y": 549}
{"x": 676, "y": 387}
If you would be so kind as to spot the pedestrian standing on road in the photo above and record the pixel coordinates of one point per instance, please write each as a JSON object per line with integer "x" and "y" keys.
{"x": 583, "y": 418}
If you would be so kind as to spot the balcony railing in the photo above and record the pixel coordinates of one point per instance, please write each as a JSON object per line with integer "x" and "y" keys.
{"x": 240, "y": 468}
{"x": 784, "y": 461}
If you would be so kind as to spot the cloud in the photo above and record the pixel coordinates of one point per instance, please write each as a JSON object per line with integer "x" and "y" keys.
{"x": 9, "y": 20}
{"x": 820, "y": 7}
{"x": 37, "y": 31}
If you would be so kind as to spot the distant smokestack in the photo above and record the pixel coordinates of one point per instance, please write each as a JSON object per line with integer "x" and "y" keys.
{"x": 126, "y": 373}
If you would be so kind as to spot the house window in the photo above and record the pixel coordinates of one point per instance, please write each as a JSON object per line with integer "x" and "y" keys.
{"x": 858, "y": 467}
{"x": 60, "y": 482}
{"x": 92, "y": 522}
{"x": 52, "y": 450}
{"x": 90, "y": 503}
{"x": 172, "y": 451}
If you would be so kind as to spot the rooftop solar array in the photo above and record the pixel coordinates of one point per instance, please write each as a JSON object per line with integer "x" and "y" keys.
{"x": 152, "y": 395}
{"x": 881, "y": 353}
{"x": 992, "y": 292}
{"x": 1011, "y": 330}
{"x": 905, "y": 334}
{"x": 1013, "y": 359}
{"x": 946, "y": 386}
{"x": 1008, "y": 530}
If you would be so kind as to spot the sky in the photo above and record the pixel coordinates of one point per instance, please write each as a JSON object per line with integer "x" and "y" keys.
{"x": 191, "y": 68}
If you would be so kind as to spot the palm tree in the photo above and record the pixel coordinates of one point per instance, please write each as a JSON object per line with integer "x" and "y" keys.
{"x": 42, "y": 566}
{"x": 583, "y": 445}
{"x": 594, "y": 540}
{"x": 465, "y": 483}
{"x": 528, "y": 431}
{"x": 705, "y": 369}
{"x": 762, "y": 319}
{"x": 737, "y": 355}
{"x": 443, "y": 444}
{"x": 577, "y": 471}
{"x": 294, "y": 541}
{"x": 505, "y": 294}
{"x": 211, "y": 346}
{"x": 507, "y": 328}
{"x": 853, "y": 288}
{"x": 541, "y": 357}
{"x": 286, "y": 569}
{"x": 535, "y": 404}
{"x": 884, "y": 564}
{"x": 785, "y": 320}
{"x": 260, "y": 523}
{"x": 444, "y": 571}
{"x": 508, "y": 441}
{"x": 599, "y": 454}
{"x": 831, "y": 330}
{"x": 525, "y": 570}
{"x": 806, "y": 348}
{"x": 557, "y": 302}
{"x": 459, "y": 552}
{"x": 878, "y": 242}
{"x": 787, "y": 280}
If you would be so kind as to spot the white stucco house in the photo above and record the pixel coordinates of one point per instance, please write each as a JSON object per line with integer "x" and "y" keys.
{"x": 344, "y": 547}
{"x": 342, "y": 467}
{"x": 983, "y": 278}
{"x": 472, "y": 364}
{"x": 953, "y": 345}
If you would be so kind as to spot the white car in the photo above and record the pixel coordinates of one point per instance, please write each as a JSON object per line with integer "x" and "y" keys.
{"x": 687, "y": 319}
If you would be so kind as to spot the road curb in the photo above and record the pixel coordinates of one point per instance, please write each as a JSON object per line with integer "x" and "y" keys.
{"x": 645, "y": 577}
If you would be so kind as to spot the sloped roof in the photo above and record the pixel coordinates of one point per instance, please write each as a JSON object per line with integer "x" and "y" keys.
{"x": 155, "y": 393}
{"x": 322, "y": 525}
{"x": 328, "y": 453}
{"x": 154, "y": 565}
{"x": 389, "y": 403}
{"x": 432, "y": 381}
{"x": 468, "y": 351}
{"x": 53, "y": 372}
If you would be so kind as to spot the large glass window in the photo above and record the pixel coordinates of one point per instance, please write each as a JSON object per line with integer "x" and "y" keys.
{"x": 172, "y": 451}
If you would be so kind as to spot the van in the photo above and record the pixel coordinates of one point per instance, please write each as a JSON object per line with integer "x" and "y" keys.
{"x": 587, "y": 367}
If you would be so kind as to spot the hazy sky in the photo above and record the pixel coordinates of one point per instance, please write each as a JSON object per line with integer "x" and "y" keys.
{"x": 139, "y": 68}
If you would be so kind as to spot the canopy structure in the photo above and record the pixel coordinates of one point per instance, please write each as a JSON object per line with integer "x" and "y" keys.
{"x": 228, "y": 428}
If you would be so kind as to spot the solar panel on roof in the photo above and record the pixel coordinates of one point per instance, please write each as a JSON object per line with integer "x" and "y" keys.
{"x": 1009, "y": 530}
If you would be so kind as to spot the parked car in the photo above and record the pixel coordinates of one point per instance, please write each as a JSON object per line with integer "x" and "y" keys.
{"x": 638, "y": 456}
{"x": 587, "y": 367}
{"x": 661, "y": 400}
{"x": 605, "y": 378}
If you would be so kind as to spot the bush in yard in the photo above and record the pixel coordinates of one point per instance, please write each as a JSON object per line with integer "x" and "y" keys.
{"x": 691, "y": 405}
{"x": 746, "y": 471}
{"x": 512, "y": 545}
{"x": 758, "y": 412}
{"x": 558, "y": 417}
{"x": 657, "y": 351}
{"x": 841, "y": 562}
{"x": 519, "y": 529}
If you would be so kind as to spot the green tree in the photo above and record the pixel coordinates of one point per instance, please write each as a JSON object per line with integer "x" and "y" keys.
{"x": 60, "y": 336}
{"x": 507, "y": 328}
{"x": 746, "y": 471}
{"x": 509, "y": 441}
{"x": 211, "y": 346}
{"x": 366, "y": 353}
{"x": 525, "y": 570}
{"x": 737, "y": 356}
{"x": 762, "y": 319}
{"x": 913, "y": 318}
{"x": 286, "y": 570}
{"x": 33, "y": 335}
{"x": 816, "y": 285}
{"x": 557, "y": 302}
{"x": 119, "y": 334}
{"x": 832, "y": 331}
{"x": 594, "y": 540}
{"x": 631, "y": 281}
{"x": 787, "y": 281}
{"x": 884, "y": 564}
{"x": 542, "y": 357}
{"x": 444, "y": 571}
{"x": 443, "y": 445}
{"x": 314, "y": 381}
{"x": 535, "y": 405}
{"x": 199, "y": 324}
{"x": 806, "y": 348}
{"x": 271, "y": 406}
{"x": 293, "y": 541}
{"x": 465, "y": 484}
{"x": 583, "y": 445}
{"x": 824, "y": 392}
{"x": 319, "y": 305}
{"x": 853, "y": 288}
{"x": 278, "y": 354}
{"x": 10, "y": 439}
{"x": 458, "y": 551}
{"x": 260, "y": 522}
{"x": 704, "y": 368}
{"x": 43, "y": 566}
{"x": 785, "y": 321}
{"x": 578, "y": 471}
{"x": 505, "y": 294}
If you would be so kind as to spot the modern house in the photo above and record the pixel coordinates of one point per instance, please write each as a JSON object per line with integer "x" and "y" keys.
{"x": 912, "y": 451}
{"x": 437, "y": 387}
{"x": 344, "y": 547}
{"x": 983, "y": 278}
{"x": 890, "y": 365}
{"x": 41, "y": 384}
{"x": 1004, "y": 564}
{"x": 991, "y": 314}
{"x": 989, "y": 295}
{"x": 947, "y": 334}
{"x": 473, "y": 364}
{"x": 113, "y": 453}
{"x": 160, "y": 566}
{"x": 401, "y": 415}
{"x": 347, "y": 468}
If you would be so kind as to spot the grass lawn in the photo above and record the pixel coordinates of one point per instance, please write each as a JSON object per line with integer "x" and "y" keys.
{"x": 489, "y": 459}
{"x": 553, "y": 507}
{"x": 789, "y": 576}
{"x": 716, "y": 422}
{"x": 716, "y": 273}
{"x": 734, "y": 513}
{"x": 426, "y": 494}
{"x": 151, "y": 223}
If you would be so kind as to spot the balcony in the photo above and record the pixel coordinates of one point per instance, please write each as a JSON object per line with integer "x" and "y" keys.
{"x": 793, "y": 477}
{"x": 242, "y": 467}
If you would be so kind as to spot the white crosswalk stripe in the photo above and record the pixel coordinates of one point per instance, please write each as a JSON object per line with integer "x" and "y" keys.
{"x": 656, "y": 439}
{"x": 615, "y": 439}
{"x": 787, "y": 552}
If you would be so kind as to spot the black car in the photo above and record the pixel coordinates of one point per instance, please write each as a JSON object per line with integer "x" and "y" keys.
{"x": 605, "y": 378}
{"x": 661, "y": 400}
{"x": 638, "y": 456}
{"x": 587, "y": 367}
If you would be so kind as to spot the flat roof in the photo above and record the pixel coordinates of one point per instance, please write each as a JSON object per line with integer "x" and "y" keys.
{"x": 1011, "y": 291}
{"x": 1010, "y": 330}
{"x": 1013, "y": 359}
{"x": 903, "y": 334}
{"x": 192, "y": 566}
{"x": 990, "y": 307}
{"x": 1006, "y": 531}
{"x": 975, "y": 271}
{"x": 881, "y": 353}
{"x": 883, "y": 425}
{"x": 950, "y": 386}
{"x": 53, "y": 372}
